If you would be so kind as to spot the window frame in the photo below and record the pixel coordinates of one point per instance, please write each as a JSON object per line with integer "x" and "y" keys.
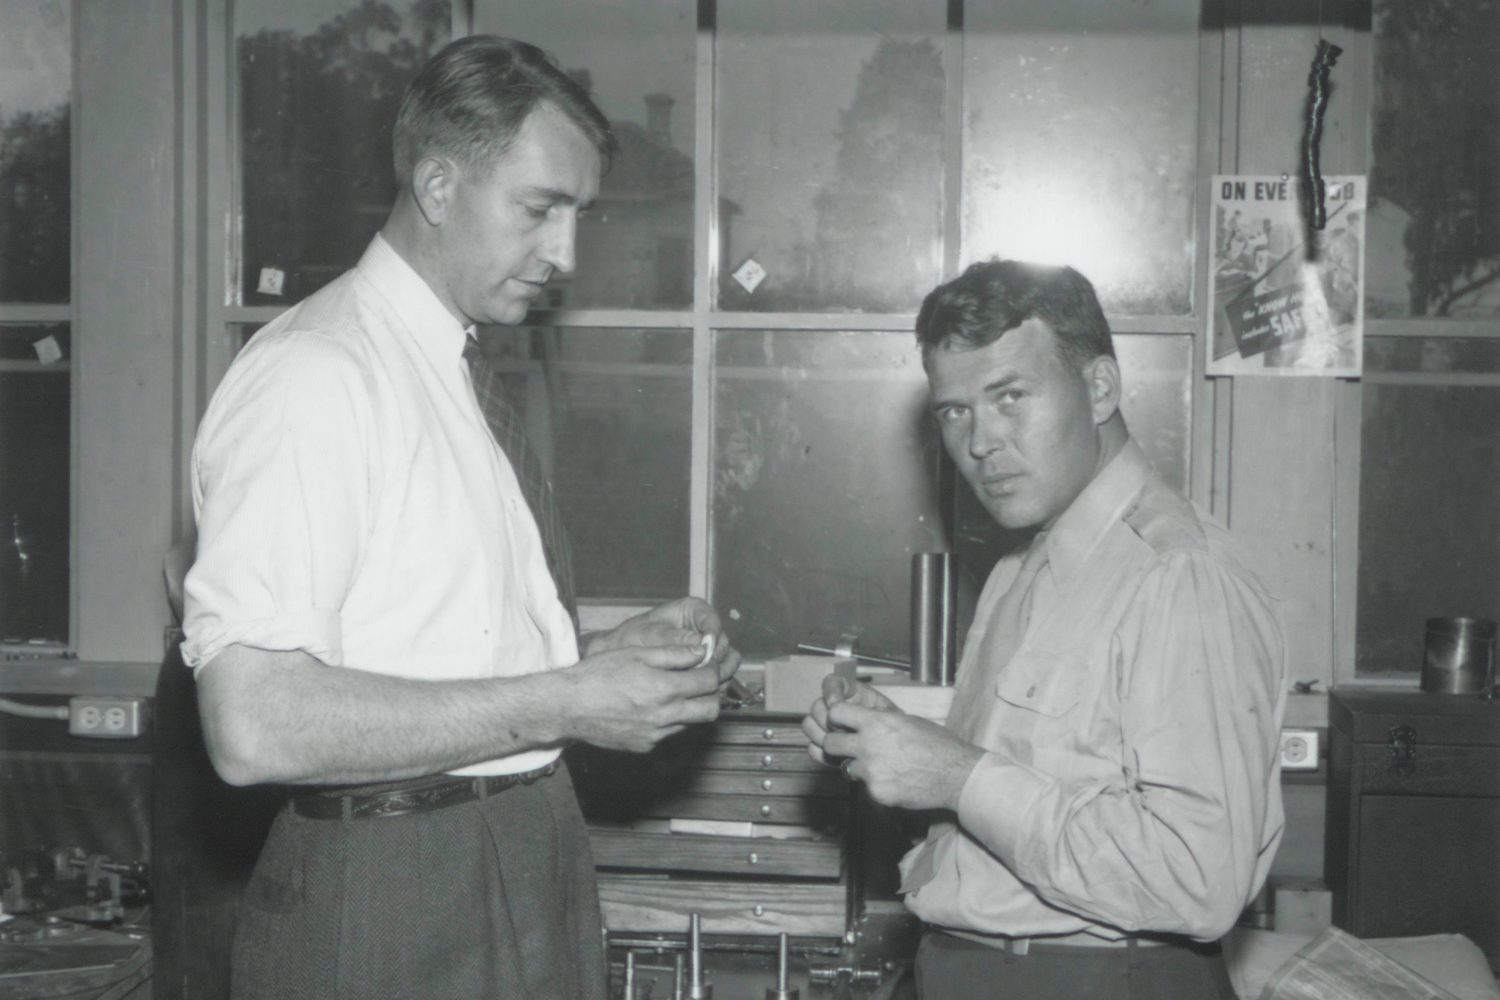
{"x": 63, "y": 313}
{"x": 703, "y": 318}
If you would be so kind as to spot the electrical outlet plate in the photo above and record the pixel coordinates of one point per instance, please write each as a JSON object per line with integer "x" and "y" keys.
{"x": 1299, "y": 749}
{"x": 100, "y": 717}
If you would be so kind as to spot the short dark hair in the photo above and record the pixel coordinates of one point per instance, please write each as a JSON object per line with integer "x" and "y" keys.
{"x": 469, "y": 101}
{"x": 993, "y": 296}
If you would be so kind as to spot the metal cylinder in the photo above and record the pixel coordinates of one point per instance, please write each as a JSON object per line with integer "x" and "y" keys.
{"x": 782, "y": 991}
{"x": 1459, "y": 655}
{"x": 934, "y": 618}
{"x": 699, "y": 988}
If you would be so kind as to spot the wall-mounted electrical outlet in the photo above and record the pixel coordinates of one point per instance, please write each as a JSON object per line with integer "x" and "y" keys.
{"x": 107, "y": 718}
{"x": 1299, "y": 749}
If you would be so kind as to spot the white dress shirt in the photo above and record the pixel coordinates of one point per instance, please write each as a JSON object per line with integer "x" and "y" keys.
{"x": 352, "y": 503}
{"x": 1131, "y": 782}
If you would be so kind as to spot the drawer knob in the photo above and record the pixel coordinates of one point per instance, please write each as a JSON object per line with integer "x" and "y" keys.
{"x": 769, "y": 734}
{"x": 766, "y": 784}
{"x": 767, "y": 760}
{"x": 765, "y": 810}
{"x": 754, "y": 858}
{"x": 760, "y": 911}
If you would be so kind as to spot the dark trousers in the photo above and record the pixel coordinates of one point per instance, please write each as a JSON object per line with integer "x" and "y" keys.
{"x": 493, "y": 898}
{"x": 951, "y": 968}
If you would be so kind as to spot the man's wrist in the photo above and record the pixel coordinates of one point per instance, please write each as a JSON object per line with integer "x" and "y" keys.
{"x": 964, "y": 764}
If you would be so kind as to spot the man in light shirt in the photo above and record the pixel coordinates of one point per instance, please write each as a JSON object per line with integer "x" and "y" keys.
{"x": 1105, "y": 795}
{"x": 377, "y": 611}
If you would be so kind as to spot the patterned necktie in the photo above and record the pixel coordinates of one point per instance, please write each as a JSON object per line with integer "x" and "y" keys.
{"x": 505, "y": 425}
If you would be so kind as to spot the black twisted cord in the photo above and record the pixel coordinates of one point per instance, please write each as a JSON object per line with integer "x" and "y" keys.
{"x": 1312, "y": 171}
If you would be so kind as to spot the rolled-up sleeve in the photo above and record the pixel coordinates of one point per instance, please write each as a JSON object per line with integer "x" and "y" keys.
{"x": 281, "y": 487}
{"x": 1178, "y": 841}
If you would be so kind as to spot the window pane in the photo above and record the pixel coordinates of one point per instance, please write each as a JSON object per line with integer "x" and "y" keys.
{"x": 1434, "y": 226}
{"x": 36, "y": 68}
{"x": 34, "y": 486}
{"x": 319, "y": 84}
{"x": 609, "y": 414}
{"x": 824, "y": 485}
{"x": 1429, "y": 496}
{"x": 1157, "y": 372}
{"x": 635, "y": 249}
{"x": 830, "y": 119}
{"x": 1080, "y": 142}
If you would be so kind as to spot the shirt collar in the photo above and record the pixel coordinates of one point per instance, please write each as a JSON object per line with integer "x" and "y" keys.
{"x": 437, "y": 332}
{"x": 1102, "y": 503}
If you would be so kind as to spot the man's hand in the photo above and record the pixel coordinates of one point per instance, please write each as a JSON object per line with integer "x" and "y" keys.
{"x": 838, "y": 689}
{"x": 688, "y": 621}
{"x": 903, "y": 760}
{"x": 633, "y": 697}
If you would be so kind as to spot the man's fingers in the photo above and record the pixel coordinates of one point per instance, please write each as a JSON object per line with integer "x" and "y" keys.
{"x": 848, "y": 715}
{"x": 841, "y": 745}
{"x": 673, "y": 657}
{"x": 704, "y": 708}
{"x": 838, "y": 688}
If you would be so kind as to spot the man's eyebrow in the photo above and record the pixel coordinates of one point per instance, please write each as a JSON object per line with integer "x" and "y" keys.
{"x": 1004, "y": 382}
{"x": 998, "y": 385}
{"x": 555, "y": 196}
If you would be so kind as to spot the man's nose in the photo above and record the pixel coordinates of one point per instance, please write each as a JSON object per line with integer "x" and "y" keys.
{"x": 560, "y": 244}
{"x": 986, "y": 436}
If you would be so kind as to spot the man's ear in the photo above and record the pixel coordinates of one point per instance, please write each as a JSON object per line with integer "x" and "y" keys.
{"x": 1102, "y": 376}
{"x": 433, "y": 184}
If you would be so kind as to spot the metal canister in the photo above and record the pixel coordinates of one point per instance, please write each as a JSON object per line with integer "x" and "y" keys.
{"x": 1459, "y": 655}
{"x": 934, "y": 618}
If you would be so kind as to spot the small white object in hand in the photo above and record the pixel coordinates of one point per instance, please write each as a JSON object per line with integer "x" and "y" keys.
{"x": 708, "y": 650}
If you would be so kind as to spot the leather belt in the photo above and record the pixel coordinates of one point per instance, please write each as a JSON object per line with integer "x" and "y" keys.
{"x": 1020, "y": 945}
{"x": 407, "y": 797}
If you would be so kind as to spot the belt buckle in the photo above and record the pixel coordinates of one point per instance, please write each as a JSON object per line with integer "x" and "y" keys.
{"x": 1019, "y": 946}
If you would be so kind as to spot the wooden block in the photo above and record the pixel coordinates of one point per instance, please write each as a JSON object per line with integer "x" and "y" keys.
{"x": 793, "y": 683}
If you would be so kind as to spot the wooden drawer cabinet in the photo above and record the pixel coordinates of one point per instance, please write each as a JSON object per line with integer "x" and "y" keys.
{"x": 747, "y": 768}
{"x": 1413, "y": 831}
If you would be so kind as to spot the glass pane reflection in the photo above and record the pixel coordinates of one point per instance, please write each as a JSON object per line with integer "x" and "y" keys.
{"x": 1080, "y": 145}
{"x": 1428, "y": 495}
{"x": 36, "y": 68}
{"x": 824, "y": 484}
{"x": 319, "y": 84}
{"x": 635, "y": 249}
{"x": 35, "y": 487}
{"x": 609, "y": 413}
{"x": 830, "y": 119}
{"x": 1434, "y": 232}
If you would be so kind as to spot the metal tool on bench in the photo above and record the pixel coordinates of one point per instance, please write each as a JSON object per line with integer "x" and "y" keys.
{"x": 847, "y": 648}
{"x": 699, "y": 988}
{"x": 780, "y": 991}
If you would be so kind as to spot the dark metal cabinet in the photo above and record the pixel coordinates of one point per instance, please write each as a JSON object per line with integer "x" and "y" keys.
{"x": 1413, "y": 831}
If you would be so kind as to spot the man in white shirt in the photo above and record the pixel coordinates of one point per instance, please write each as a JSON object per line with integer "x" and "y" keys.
{"x": 374, "y": 611}
{"x": 1106, "y": 789}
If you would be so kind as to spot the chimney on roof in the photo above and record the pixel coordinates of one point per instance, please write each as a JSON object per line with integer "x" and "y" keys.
{"x": 659, "y": 117}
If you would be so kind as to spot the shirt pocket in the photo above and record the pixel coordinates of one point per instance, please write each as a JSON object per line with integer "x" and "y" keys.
{"x": 1049, "y": 684}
